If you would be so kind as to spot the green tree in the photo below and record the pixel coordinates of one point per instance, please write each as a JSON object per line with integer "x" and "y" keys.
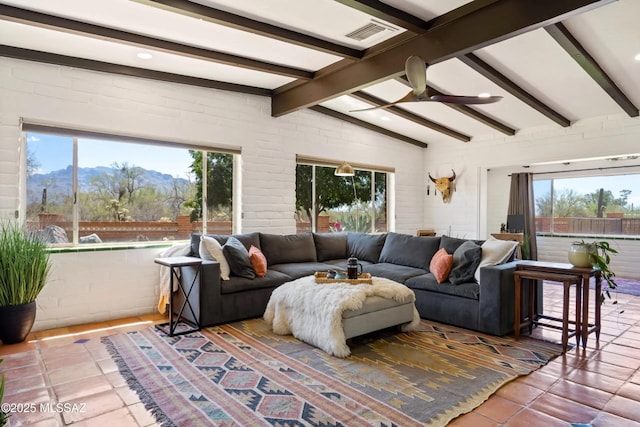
{"x": 610, "y": 202}
{"x": 219, "y": 183}
{"x": 566, "y": 203}
{"x": 333, "y": 191}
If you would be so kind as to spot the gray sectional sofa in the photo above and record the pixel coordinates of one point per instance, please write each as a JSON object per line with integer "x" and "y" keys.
{"x": 486, "y": 306}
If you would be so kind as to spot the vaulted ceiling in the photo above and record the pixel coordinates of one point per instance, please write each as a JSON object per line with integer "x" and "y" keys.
{"x": 553, "y": 62}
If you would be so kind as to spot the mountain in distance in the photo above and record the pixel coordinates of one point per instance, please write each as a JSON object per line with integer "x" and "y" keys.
{"x": 60, "y": 182}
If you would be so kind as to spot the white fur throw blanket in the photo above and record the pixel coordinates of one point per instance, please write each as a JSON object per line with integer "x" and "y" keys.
{"x": 312, "y": 312}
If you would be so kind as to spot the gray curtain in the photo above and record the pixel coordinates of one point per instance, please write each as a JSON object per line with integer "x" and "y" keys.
{"x": 521, "y": 203}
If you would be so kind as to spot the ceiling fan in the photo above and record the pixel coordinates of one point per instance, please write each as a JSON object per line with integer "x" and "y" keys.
{"x": 416, "y": 71}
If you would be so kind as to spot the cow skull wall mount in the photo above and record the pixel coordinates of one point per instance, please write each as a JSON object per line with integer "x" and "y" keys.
{"x": 445, "y": 185}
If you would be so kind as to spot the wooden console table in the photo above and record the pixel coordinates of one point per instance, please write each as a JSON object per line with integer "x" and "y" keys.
{"x": 174, "y": 264}
{"x": 585, "y": 273}
{"x": 567, "y": 281}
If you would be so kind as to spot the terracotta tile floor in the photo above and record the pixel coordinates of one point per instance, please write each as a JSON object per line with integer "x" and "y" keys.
{"x": 597, "y": 386}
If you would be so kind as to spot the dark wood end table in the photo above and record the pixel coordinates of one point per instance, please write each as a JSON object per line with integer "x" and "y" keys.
{"x": 585, "y": 273}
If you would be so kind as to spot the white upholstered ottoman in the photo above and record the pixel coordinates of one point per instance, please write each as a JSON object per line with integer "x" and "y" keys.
{"x": 325, "y": 315}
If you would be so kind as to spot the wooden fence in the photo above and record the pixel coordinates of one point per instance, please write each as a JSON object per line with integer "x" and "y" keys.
{"x": 594, "y": 226}
{"x": 135, "y": 231}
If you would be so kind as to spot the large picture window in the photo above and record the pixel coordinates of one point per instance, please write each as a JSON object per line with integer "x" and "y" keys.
{"x": 327, "y": 203}
{"x": 82, "y": 189}
{"x": 590, "y": 206}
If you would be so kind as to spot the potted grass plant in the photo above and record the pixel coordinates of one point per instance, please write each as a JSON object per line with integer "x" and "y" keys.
{"x": 24, "y": 258}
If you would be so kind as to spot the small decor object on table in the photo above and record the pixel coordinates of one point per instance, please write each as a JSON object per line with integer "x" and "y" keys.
{"x": 340, "y": 277}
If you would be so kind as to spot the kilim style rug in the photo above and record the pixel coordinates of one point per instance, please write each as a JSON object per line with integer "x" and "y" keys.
{"x": 242, "y": 374}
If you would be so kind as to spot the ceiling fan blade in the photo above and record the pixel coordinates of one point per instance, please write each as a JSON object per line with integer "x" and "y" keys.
{"x": 416, "y": 71}
{"x": 407, "y": 98}
{"x": 453, "y": 99}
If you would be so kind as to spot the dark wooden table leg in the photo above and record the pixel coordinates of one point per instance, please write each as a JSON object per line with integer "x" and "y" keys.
{"x": 598, "y": 305}
{"x": 578, "y": 326}
{"x": 585, "y": 309}
{"x": 516, "y": 308}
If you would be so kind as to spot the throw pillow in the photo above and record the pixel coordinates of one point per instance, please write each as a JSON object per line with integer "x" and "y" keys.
{"x": 238, "y": 258}
{"x": 465, "y": 262}
{"x": 210, "y": 249}
{"x": 441, "y": 264}
{"x": 495, "y": 252}
{"x": 258, "y": 261}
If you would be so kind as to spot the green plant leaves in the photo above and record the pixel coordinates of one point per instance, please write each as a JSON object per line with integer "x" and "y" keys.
{"x": 24, "y": 261}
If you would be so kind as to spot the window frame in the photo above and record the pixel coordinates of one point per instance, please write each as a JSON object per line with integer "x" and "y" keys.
{"x": 30, "y": 126}
{"x": 389, "y": 173}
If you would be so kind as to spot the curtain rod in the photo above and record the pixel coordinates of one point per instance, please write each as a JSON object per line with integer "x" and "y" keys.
{"x": 583, "y": 170}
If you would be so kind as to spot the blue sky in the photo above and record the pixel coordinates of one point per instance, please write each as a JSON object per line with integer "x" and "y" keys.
{"x": 54, "y": 153}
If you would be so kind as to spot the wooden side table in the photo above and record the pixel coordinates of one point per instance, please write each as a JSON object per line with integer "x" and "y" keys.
{"x": 567, "y": 281}
{"x": 585, "y": 273}
{"x": 174, "y": 264}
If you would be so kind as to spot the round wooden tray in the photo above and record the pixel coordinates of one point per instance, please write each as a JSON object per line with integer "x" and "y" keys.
{"x": 363, "y": 279}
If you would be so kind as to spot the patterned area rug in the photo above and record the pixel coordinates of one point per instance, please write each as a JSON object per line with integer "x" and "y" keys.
{"x": 241, "y": 374}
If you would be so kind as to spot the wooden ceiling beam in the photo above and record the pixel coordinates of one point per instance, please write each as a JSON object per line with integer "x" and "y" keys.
{"x": 501, "y": 80}
{"x": 238, "y": 22}
{"x": 573, "y": 47}
{"x": 347, "y": 118}
{"x": 495, "y": 22}
{"x": 405, "y": 114}
{"x": 90, "y": 30}
{"x": 107, "y": 67}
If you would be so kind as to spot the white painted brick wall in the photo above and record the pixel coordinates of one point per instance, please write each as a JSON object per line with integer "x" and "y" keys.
{"x": 91, "y": 286}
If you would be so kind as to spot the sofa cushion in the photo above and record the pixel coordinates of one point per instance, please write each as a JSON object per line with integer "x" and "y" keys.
{"x": 247, "y": 240}
{"x": 428, "y": 282}
{"x": 412, "y": 251}
{"x": 258, "y": 261}
{"x": 441, "y": 264}
{"x": 283, "y": 249}
{"x": 366, "y": 247}
{"x": 330, "y": 246}
{"x": 210, "y": 249}
{"x": 466, "y": 260}
{"x": 495, "y": 252}
{"x": 238, "y": 258}
{"x": 450, "y": 244}
{"x": 395, "y": 272}
{"x": 235, "y": 284}
{"x": 301, "y": 269}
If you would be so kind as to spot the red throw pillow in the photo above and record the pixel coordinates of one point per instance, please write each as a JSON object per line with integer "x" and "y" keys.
{"x": 441, "y": 264}
{"x": 258, "y": 261}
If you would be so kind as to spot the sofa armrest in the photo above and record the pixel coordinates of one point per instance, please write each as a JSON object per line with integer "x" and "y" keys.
{"x": 497, "y": 294}
{"x": 205, "y": 298}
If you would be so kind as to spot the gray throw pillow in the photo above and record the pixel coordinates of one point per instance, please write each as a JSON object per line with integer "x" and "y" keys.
{"x": 238, "y": 258}
{"x": 466, "y": 259}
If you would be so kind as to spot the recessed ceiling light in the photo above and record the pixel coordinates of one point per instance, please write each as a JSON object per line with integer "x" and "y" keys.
{"x": 484, "y": 95}
{"x": 637, "y": 57}
{"x": 144, "y": 55}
